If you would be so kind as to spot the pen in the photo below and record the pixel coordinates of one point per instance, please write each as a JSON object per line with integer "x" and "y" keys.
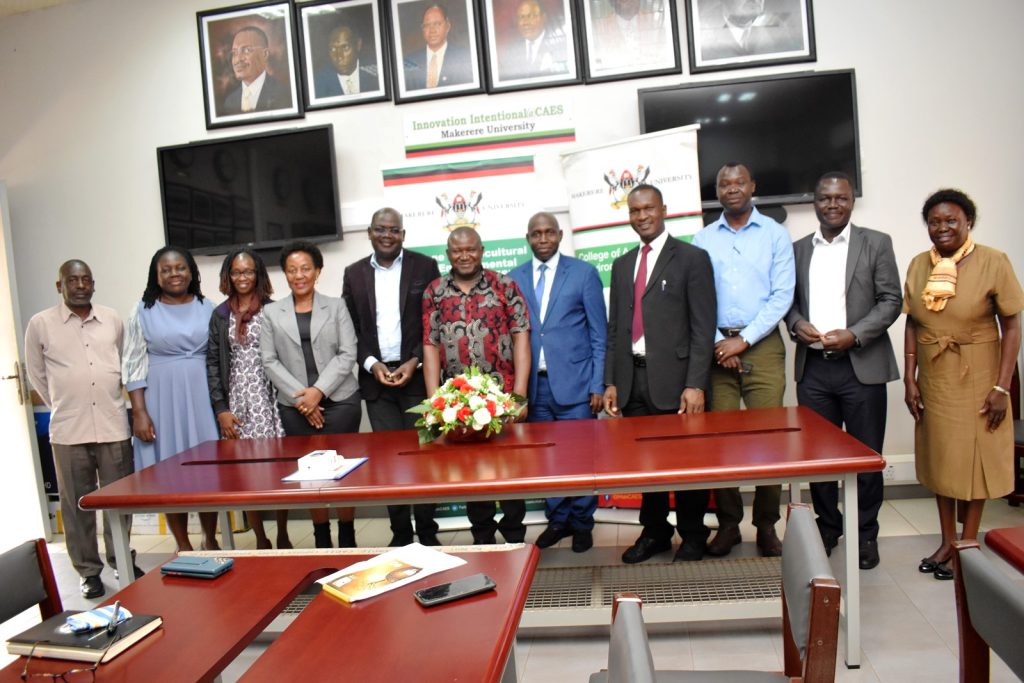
{"x": 112, "y": 625}
{"x": 663, "y": 283}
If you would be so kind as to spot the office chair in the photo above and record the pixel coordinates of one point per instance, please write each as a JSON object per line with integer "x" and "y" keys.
{"x": 27, "y": 577}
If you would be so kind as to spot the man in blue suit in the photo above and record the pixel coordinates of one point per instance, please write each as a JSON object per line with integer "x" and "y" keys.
{"x": 569, "y": 328}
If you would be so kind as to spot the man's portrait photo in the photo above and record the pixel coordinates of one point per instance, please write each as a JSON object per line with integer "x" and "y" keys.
{"x": 342, "y": 56}
{"x": 531, "y": 42}
{"x": 435, "y": 48}
{"x": 626, "y": 38}
{"x": 730, "y": 34}
{"x": 248, "y": 59}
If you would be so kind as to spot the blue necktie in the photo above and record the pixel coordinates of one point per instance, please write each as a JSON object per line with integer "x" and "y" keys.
{"x": 539, "y": 289}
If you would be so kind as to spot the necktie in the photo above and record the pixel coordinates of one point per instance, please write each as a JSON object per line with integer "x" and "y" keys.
{"x": 247, "y": 100}
{"x": 639, "y": 285}
{"x": 350, "y": 85}
{"x": 432, "y": 72}
{"x": 539, "y": 289}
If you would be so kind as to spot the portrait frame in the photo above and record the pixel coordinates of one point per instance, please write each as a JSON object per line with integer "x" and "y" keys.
{"x": 612, "y": 52}
{"x": 555, "y": 61}
{"x": 783, "y": 33}
{"x": 278, "y": 97}
{"x": 321, "y": 84}
{"x": 461, "y": 64}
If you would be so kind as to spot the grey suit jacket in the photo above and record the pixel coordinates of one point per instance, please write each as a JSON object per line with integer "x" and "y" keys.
{"x": 873, "y": 302}
{"x": 334, "y": 348}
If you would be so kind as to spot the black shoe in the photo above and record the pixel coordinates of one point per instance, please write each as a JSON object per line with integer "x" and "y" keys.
{"x": 869, "y": 554}
{"x": 484, "y": 540}
{"x": 692, "y": 549}
{"x": 429, "y": 539}
{"x": 644, "y": 549}
{"x": 943, "y": 572}
{"x": 138, "y": 573}
{"x": 322, "y": 534}
{"x": 552, "y": 535}
{"x": 768, "y": 543}
{"x": 582, "y": 541}
{"x": 397, "y": 541}
{"x": 724, "y": 541}
{"x": 346, "y": 534}
{"x": 830, "y": 541}
{"x": 92, "y": 587}
{"x": 927, "y": 566}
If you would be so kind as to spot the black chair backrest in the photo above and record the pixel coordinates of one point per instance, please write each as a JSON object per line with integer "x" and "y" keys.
{"x": 25, "y": 584}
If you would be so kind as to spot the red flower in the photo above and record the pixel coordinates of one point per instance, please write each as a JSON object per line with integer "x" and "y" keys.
{"x": 466, "y": 388}
{"x": 492, "y": 408}
{"x": 464, "y": 412}
{"x": 438, "y": 403}
{"x": 459, "y": 382}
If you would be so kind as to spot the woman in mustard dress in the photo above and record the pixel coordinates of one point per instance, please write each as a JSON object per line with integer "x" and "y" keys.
{"x": 963, "y": 305}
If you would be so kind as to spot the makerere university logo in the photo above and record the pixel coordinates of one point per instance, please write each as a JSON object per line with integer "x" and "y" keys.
{"x": 460, "y": 212}
{"x": 618, "y": 188}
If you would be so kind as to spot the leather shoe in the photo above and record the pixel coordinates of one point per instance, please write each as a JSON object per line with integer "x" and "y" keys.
{"x": 92, "y": 587}
{"x": 768, "y": 542}
{"x": 429, "y": 539}
{"x": 644, "y": 549}
{"x": 552, "y": 535}
{"x": 136, "y": 572}
{"x": 830, "y": 541}
{"x": 582, "y": 541}
{"x": 723, "y": 542}
{"x": 927, "y": 566}
{"x": 869, "y": 554}
{"x": 399, "y": 540}
{"x": 943, "y": 572}
{"x": 692, "y": 549}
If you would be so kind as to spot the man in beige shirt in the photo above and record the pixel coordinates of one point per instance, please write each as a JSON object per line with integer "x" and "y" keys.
{"x": 74, "y": 363}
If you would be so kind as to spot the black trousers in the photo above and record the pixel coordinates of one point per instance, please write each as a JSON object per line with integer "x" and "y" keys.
{"x": 831, "y": 389}
{"x": 482, "y": 525}
{"x": 387, "y": 413}
{"x": 340, "y": 417}
{"x": 654, "y": 507}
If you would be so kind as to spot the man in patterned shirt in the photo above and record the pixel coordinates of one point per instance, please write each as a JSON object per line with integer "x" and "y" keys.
{"x": 473, "y": 316}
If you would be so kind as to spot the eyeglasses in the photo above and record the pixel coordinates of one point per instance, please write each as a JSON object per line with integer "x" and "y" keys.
{"x": 380, "y": 231}
{"x": 245, "y": 50}
{"x": 69, "y": 676}
{"x": 239, "y": 274}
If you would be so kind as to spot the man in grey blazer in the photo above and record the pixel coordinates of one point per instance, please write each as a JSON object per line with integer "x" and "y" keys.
{"x": 847, "y": 295}
{"x": 667, "y": 287}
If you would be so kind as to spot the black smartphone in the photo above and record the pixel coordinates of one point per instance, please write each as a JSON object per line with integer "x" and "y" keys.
{"x": 454, "y": 590}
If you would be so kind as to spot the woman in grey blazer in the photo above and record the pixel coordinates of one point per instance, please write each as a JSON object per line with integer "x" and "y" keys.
{"x": 308, "y": 347}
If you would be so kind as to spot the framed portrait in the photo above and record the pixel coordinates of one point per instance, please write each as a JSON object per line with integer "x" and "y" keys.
{"x": 435, "y": 49}
{"x": 248, "y": 55}
{"x": 343, "y": 53}
{"x": 530, "y": 44}
{"x": 735, "y": 34}
{"x": 629, "y": 39}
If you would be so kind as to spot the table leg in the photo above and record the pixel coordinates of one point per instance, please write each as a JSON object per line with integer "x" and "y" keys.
{"x": 794, "y": 492}
{"x": 851, "y": 580}
{"x": 227, "y": 538}
{"x": 122, "y": 550}
{"x": 509, "y": 674}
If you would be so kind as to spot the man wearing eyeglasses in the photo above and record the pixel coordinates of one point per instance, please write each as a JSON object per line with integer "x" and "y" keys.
{"x": 384, "y": 292}
{"x": 346, "y": 74}
{"x": 257, "y": 91}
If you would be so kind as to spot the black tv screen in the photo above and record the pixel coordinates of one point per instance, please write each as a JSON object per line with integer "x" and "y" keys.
{"x": 788, "y": 129}
{"x": 259, "y": 190}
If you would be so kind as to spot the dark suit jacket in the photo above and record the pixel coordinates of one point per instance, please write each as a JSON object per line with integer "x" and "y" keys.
{"x": 679, "y": 323}
{"x": 326, "y": 83}
{"x": 873, "y": 302}
{"x": 359, "y": 293}
{"x": 550, "y": 58}
{"x": 574, "y": 330}
{"x": 273, "y": 95}
{"x": 457, "y": 68}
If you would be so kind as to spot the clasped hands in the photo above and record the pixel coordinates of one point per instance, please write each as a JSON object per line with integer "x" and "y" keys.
{"x": 307, "y": 402}
{"x": 835, "y": 340}
{"x": 396, "y": 378}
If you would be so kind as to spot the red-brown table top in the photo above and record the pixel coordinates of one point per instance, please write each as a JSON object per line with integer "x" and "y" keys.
{"x": 207, "y": 623}
{"x": 1008, "y": 543}
{"x": 581, "y": 456}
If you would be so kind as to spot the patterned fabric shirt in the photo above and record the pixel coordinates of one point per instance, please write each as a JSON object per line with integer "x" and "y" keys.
{"x": 475, "y": 328}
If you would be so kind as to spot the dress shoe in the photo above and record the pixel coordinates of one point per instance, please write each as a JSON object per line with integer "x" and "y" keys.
{"x": 582, "y": 541}
{"x": 830, "y": 541}
{"x": 723, "y": 542}
{"x": 347, "y": 534}
{"x": 644, "y": 549}
{"x": 484, "y": 540}
{"x": 552, "y": 535}
{"x": 692, "y": 549}
{"x": 943, "y": 572}
{"x": 92, "y": 587}
{"x": 136, "y": 572}
{"x": 429, "y": 540}
{"x": 399, "y": 540}
{"x": 869, "y": 554}
{"x": 927, "y": 566}
{"x": 768, "y": 542}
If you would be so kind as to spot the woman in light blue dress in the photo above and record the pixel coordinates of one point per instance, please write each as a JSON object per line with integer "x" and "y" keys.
{"x": 164, "y": 371}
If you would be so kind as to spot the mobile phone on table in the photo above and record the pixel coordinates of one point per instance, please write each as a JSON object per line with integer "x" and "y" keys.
{"x": 454, "y": 590}
{"x": 197, "y": 567}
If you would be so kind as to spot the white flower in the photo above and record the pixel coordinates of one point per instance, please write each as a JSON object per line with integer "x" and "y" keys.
{"x": 476, "y": 382}
{"x": 481, "y": 418}
{"x": 449, "y": 413}
{"x": 429, "y": 419}
{"x": 476, "y": 402}
{"x": 499, "y": 409}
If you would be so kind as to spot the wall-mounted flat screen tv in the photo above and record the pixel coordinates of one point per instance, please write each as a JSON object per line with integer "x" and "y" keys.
{"x": 789, "y": 129}
{"x": 258, "y": 190}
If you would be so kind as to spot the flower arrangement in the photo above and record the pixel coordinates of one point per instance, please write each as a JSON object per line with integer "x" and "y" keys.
{"x": 470, "y": 405}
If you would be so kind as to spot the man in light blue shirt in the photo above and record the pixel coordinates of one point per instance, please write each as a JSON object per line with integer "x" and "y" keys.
{"x": 752, "y": 256}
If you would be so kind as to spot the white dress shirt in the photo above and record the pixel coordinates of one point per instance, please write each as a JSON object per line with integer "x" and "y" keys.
{"x": 826, "y": 280}
{"x": 350, "y": 83}
{"x": 657, "y": 244}
{"x": 386, "y": 286}
{"x": 542, "y": 297}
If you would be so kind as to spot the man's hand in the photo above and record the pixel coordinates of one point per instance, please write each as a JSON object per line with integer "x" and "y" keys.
{"x": 611, "y": 400}
{"x": 382, "y": 374}
{"x": 691, "y": 402}
{"x": 227, "y": 422}
{"x": 596, "y": 401}
{"x": 838, "y": 340}
{"x": 142, "y": 426}
{"x": 806, "y": 332}
{"x": 730, "y": 347}
{"x": 404, "y": 373}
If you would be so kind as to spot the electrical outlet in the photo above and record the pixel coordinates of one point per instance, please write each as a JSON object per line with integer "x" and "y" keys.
{"x": 889, "y": 473}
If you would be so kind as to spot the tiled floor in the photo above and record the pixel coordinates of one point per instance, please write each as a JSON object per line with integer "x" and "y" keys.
{"x": 909, "y": 624}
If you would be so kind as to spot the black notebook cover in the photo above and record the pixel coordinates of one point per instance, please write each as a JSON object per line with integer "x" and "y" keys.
{"x": 52, "y": 639}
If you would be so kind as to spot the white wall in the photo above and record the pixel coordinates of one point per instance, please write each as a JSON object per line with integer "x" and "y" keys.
{"x": 89, "y": 90}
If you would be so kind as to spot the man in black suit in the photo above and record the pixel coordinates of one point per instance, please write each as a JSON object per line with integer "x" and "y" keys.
{"x": 847, "y": 295}
{"x": 441, "y": 63}
{"x": 666, "y": 287}
{"x": 257, "y": 90}
{"x": 538, "y": 48}
{"x": 383, "y": 292}
{"x": 346, "y": 74}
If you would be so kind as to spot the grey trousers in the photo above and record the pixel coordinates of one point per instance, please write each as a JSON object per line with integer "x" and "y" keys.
{"x": 78, "y": 468}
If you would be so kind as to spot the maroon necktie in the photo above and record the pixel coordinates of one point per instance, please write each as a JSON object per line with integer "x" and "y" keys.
{"x": 639, "y": 285}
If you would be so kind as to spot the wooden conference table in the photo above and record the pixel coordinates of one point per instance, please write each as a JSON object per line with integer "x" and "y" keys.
{"x": 572, "y": 458}
{"x": 386, "y": 638}
{"x": 1008, "y": 543}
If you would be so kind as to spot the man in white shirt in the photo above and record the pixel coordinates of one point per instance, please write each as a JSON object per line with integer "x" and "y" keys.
{"x": 847, "y": 295}
{"x": 258, "y": 91}
{"x": 73, "y": 357}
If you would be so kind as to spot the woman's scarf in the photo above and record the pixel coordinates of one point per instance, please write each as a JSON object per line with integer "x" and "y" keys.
{"x": 941, "y": 284}
{"x": 242, "y": 317}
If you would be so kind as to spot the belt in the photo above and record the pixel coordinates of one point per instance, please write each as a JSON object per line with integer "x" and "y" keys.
{"x": 542, "y": 373}
{"x": 825, "y": 354}
{"x": 392, "y": 365}
{"x": 639, "y": 361}
{"x": 730, "y": 331}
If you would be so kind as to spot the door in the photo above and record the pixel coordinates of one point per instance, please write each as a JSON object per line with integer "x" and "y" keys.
{"x": 22, "y": 503}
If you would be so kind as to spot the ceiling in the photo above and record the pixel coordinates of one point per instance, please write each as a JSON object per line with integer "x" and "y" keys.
{"x": 9, "y": 7}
